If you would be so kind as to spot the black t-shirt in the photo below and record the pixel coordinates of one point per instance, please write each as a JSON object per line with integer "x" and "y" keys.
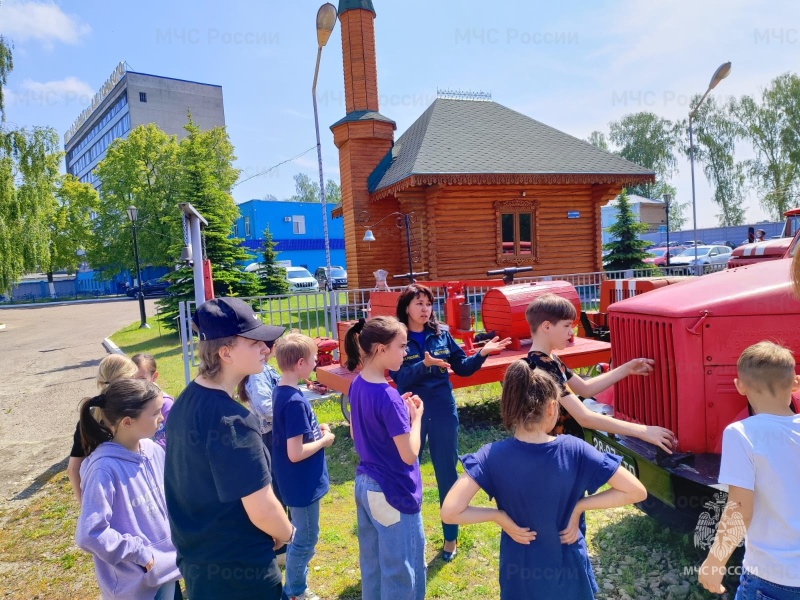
{"x": 553, "y": 366}
{"x": 77, "y": 447}
{"x": 215, "y": 457}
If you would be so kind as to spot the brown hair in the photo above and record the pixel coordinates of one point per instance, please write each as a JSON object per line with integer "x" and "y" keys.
{"x": 362, "y": 338}
{"x": 549, "y": 307}
{"x": 411, "y": 293}
{"x": 122, "y": 398}
{"x": 145, "y": 360}
{"x": 113, "y": 367}
{"x": 769, "y": 364}
{"x": 208, "y": 353}
{"x": 526, "y": 394}
{"x": 292, "y": 347}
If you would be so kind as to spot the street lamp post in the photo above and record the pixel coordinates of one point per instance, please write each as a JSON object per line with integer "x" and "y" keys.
{"x": 133, "y": 215}
{"x": 721, "y": 73}
{"x": 667, "y": 202}
{"x": 326, "y": 21}
{"x": 406, "y": 217}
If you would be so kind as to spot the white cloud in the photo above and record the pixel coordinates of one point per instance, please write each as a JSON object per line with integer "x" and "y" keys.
{"x": 68, "y": 91}
{"x": 40, "y": 21}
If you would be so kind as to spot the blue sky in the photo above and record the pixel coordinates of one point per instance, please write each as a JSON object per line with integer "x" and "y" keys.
{"x": 575, "y": 66}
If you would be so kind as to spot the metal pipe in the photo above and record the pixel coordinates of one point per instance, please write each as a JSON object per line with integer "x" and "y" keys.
{"x": 140, "y": 295}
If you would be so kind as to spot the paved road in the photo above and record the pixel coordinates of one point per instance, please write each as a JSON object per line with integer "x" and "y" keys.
{"x": 48, "y": 363}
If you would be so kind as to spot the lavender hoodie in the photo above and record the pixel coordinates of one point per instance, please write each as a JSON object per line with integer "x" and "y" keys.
{"x": 123, "y": 521}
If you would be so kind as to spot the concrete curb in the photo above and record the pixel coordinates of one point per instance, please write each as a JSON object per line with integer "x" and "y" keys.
{"x": 111, "y": 347}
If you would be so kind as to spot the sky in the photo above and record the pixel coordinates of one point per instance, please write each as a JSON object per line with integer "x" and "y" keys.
{"x": 574, "y": 66}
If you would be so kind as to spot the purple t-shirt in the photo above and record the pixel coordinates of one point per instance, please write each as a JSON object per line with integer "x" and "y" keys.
{"x": 378, "y": 414}
{"x": 160, "y": 436}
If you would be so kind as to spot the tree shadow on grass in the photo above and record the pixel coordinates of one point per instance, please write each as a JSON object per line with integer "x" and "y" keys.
{"x": 351, "y": 592}
{"x": 40, "y": 481}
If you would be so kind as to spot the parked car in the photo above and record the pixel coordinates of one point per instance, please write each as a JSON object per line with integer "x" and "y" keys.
{"x": 658, "y": 256}
{"x": 153, "y": 287}
{"x": 300, "y": 280}
{"x": 338, "y": 277}
{"x": 706, "y": 255}
{"x": 724, "y": 243}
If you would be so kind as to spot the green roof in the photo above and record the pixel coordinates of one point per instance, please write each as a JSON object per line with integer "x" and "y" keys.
{"x": 345, "y": 5}
{"x": 468, "y": 137}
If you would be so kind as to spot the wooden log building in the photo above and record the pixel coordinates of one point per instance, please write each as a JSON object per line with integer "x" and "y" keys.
{"x": 488, "y": 187}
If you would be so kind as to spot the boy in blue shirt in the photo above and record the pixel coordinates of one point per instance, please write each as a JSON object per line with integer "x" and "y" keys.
{"x": 298, "y": 443}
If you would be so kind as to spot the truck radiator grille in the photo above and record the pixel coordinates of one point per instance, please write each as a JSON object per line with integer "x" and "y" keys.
{"x": 651, "y": 400}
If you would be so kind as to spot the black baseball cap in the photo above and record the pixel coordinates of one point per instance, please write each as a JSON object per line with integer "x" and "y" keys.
{"x": 226, "y": 317}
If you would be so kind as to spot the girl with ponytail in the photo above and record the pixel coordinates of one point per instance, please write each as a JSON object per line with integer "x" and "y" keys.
{"x": 539, "y": 482}
{"x": 111, "y": 368}
{"x": 123, "y": 520}
{"x": 385, "y": 427}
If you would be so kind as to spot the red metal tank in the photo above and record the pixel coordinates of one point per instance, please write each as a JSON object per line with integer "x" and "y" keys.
{"x": 503, "y": 309}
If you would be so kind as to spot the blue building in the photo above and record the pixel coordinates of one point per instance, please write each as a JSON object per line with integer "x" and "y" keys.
{"x": 296, "y": 229}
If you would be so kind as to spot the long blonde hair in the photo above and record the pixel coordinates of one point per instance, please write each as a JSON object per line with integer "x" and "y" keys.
{"x": 113, "y": 367}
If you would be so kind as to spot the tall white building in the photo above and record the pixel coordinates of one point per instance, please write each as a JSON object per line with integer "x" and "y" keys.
{"x": 129, "y": 99}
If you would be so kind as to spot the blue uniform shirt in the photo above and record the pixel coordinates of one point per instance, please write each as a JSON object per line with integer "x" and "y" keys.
{"x": 432, "y": 384}
{"x": 538, "y": 485}
{"x": 301, "y": 483}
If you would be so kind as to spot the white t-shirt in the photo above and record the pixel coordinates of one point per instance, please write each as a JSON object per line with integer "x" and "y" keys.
{"x": 762, "y": 453}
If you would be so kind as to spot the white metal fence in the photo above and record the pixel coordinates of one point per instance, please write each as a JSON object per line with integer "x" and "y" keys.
{"x": 317, "y": 315}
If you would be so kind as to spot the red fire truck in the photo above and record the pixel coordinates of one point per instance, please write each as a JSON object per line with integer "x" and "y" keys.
{"x": 747, "y": 254}
{"x": 696, "y": 331}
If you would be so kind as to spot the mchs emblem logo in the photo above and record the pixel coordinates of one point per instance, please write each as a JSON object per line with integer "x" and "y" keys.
{"x": 709, "y": 521}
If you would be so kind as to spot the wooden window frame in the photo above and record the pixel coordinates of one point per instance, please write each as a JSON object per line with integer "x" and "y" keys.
{"x": 517, "y": 207}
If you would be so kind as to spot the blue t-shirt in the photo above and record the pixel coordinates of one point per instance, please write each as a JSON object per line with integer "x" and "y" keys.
{"x": 419, "y": 337}
{"x": 301, "y": 483}
{"x": 538, "y": 485}
{"x": 215, "y": 458}
{"x": 378, "y": 414}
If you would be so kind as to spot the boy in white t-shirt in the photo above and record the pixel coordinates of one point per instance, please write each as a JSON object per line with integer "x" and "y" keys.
{"x": 760, "y": 458}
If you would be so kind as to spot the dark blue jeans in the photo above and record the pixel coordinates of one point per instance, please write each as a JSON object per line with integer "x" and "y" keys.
{"x": 440, "y": 430}
{"x": 755, "y": 588}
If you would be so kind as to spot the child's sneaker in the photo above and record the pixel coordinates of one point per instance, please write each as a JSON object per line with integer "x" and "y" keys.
{"x": 307, "y": 595}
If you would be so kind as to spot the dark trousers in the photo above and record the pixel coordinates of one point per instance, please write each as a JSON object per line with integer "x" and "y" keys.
{"x": 232, "y": 581}
{"x": 440, "y": 431}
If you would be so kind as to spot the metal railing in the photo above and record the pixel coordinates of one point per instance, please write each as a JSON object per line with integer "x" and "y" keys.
{"x": 317, "y": 315}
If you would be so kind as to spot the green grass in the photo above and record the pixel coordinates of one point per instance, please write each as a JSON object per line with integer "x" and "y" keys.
{"x": 38, "y": 556}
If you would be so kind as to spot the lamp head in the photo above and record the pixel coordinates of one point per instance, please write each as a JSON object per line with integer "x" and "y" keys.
{"x": 368, "y": 236}
{"x": 667, "y": 199}
{"x": 133, "y": 213}
{"x": 721, "y": 73}
{"x": 326, "y": 21}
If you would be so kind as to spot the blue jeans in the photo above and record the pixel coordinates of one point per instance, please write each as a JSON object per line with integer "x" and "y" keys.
{"x": 755, "y": 588}
{"x": 391, "y": 547}
{"x": 440, "y": 431}
{"x": 166, "y": 591}
{"x": 299, "y": 553}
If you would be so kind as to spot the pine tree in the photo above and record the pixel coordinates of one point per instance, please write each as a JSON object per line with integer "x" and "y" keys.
{"x": 273, "y": 281}
{"x": 627, "y": 250}
{"x": 205, "y": 180}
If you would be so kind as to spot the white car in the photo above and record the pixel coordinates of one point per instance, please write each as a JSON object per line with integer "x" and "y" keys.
{"x": 300, "y": 280}
{"x": 706, "y": 255}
